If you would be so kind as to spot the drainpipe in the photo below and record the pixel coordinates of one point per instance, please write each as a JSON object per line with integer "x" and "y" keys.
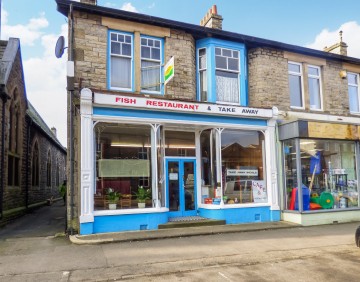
{"x": 4, "y": 98}
{"x": 70, "y": 88}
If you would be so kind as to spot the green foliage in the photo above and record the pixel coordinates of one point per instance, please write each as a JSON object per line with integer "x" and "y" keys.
{"x": 112, "y": 196}
{"x": 142, "y": 194}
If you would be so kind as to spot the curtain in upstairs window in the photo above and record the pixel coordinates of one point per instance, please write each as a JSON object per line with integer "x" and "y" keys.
{"x": 227, "y": 87}
{"x": 120, "y": 72}
{"x": 150, "y": 75}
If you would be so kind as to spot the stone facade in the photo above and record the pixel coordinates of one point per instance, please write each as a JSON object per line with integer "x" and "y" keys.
{"x": 269, "y": 83}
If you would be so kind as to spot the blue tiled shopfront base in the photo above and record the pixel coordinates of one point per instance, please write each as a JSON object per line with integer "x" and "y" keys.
{"x": 126, "y": 222}
{"x": 150, "y": 221}
{"x": 242, "y": 215}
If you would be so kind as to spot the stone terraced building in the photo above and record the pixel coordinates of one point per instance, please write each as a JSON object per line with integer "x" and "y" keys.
{"x": 179, "y": 122}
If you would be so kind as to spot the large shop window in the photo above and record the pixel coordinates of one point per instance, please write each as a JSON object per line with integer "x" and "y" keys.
{"x": 123, "y": 166}
{"x": 179, "y": 143}
{"x": 327, "y": 171}
{"x": 242, "y": 173}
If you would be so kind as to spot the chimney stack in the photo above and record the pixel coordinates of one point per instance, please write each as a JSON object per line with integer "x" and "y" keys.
{"x": 212, "y": 19}
{"x": 53, "y": 129}
{"x": 338, "y": 48}
{"x": 90, "y": 2}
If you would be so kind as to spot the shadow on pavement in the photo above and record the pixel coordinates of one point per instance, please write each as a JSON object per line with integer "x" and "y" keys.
{"x": 42, "y": 222}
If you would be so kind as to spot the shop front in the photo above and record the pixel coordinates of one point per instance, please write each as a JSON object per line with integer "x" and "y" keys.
{"x": 324, "y": 159}
{"x": 145, "y": 161}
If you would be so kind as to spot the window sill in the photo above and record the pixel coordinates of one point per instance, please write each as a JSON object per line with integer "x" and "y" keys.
{"x": 233, "y": 206}
{"x": 130, "y": 211}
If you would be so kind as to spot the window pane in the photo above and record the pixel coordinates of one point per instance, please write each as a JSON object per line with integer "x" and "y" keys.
{"x": 295, "y": 91}
{"x": 157, "y": 43}
{"x": 314, "y": 91}
{"x": 144, "y": 41}
{"x": 352, "y": 78}
{"x": 150, "y": 76}
{"x": 313, "y": 71}
{"x": 113, "y": 36}
{"x": 126, "y": 49}
{"x": 227, "y": 87}
{"x": 202, "y": 62}
{"x": 290, "y": 169}
{"x": 155, "y": 54}
{"x": 221, "y": 62}
{"x": 217, "y": 51}
{"x": 353, "y": 99}
{"x": 150, "y": 42}
{"x": 115, "y": 48}
{"x": 294, "y": 68}
{"x": 128, "y": 39}
{"x": 121, "y": 38}
{"x": 203, "y": 86}
{"x": 243, "y": 167}
{"x": 226, "y": 53}
{"x": 179, "y": 143}
{"x": 123, "y": 164}
{"x": 233, "y": 64}
{"x": 145, "y": 52}
{"x": 235, "y": 54}
{"x": 331, "y": 165}
{"x": 120, "y": 72}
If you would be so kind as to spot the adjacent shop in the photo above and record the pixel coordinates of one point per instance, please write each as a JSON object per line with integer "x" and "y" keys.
{"x": 324, "y": 159}
{"x": 145, "y": 161}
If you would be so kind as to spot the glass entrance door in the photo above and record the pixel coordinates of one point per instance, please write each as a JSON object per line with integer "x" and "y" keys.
{"x": 180, "y": 179}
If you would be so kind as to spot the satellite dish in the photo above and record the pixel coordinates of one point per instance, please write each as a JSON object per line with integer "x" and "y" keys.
{"x": 59, "y": 47}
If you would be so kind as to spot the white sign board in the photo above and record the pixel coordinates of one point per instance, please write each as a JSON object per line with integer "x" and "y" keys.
{"x": 179, "y": 106}
{"x": 242, "y": 172}
{"x": 259, "y": 191}
{"x": 173, "y": 176}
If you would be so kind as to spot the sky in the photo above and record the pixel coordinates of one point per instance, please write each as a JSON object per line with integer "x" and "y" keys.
{"x": 309, "y": 23}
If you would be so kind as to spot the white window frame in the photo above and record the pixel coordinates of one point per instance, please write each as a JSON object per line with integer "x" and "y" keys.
{"x": 301, "y": 84}
{"x": 201, "y": 70}
{"x": 131, "y": 57}
{"x": 358, "y": 92}
{"x": 227, "y": 70}
{"x": 320, "y": 86}
{"x": 143, "y": 90}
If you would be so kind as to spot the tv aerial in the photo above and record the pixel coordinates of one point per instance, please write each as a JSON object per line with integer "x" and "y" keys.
{"x": 60, "y": 47}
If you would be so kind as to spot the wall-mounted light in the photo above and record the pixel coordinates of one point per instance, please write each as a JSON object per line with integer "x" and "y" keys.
{"x": 343, "y": 74}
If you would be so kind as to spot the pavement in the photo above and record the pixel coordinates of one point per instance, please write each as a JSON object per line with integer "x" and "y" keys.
{"x": 144, "y": 235}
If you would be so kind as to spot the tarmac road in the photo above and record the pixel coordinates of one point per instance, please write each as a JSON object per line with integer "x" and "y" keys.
{"x": 319, "y": 253}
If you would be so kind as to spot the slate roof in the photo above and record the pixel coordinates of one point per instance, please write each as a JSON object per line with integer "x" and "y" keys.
{"x": 63, "y": 6}
{"x": 37, "y": 119}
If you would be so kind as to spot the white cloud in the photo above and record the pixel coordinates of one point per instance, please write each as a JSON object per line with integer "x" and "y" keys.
{"x": 28, "y": 33}
{"x": 129, "y": 7}
{"x": 45, "y": 79}
{"x": 351, "y": 36}
{"x": 152, "y": 5}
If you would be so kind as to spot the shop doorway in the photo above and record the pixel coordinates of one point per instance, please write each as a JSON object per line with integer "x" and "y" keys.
{"x": 181, "y": 187}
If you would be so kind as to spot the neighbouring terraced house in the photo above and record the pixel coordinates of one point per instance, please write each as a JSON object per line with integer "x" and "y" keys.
{"x": 180, "y": 121}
